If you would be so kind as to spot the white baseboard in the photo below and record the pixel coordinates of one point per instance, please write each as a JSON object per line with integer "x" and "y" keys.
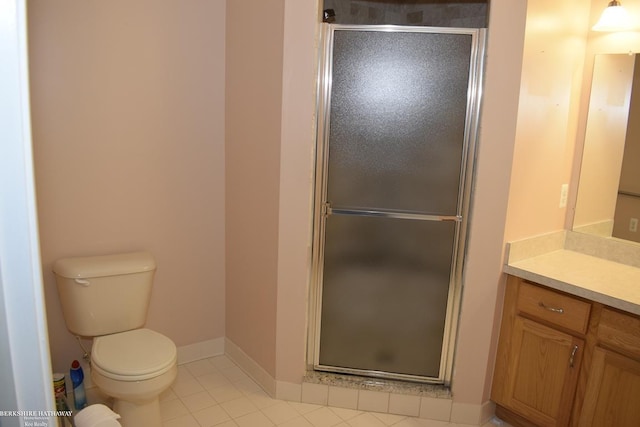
{"x": 250, "y": 367}
{"x": 200, "y": 350}
{"x": 488, "y": 411}
{"x": 291, "y": 392}
{"x": 466, "y": 413}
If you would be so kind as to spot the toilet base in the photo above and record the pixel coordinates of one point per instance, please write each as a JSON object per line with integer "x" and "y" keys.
{"x": 137, "y": 402}
{"x": 133, "y": 414}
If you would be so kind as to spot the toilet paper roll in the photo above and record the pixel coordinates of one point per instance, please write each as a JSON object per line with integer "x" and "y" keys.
{"x": 97, "y": 415}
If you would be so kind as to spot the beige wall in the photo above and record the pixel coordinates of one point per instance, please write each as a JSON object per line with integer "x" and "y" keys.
{"x": 481, "y": 298}
{"x": 254, "y": 64}
{"x": 270, "y": 113}
{"x": 296, "y": 185}
{"x": 555, "y": 44}
{"x": 128, "y": 108}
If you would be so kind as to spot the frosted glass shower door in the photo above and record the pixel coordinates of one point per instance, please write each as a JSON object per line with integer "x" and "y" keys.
{"x": 393, "y": 165}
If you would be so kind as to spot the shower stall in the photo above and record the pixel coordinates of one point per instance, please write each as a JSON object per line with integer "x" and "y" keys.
{"x": 397, "y": 122}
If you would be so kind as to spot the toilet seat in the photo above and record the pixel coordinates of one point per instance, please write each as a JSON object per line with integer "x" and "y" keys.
{"x": 135, "y": 355}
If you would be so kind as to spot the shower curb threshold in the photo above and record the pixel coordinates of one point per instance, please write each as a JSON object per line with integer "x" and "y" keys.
{"x": 378, "y": 384}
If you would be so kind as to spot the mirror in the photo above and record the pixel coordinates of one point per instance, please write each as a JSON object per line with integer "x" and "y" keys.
{"x": 608, "y": 201}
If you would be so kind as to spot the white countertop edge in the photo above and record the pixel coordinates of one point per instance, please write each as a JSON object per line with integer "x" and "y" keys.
{"x": 601, "y": 270}
{"x": 573, "y": 289}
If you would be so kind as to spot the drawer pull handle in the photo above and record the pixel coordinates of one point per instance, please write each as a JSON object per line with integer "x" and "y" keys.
{"x": 573, "y": 355}
{"x": 552, "y": 309}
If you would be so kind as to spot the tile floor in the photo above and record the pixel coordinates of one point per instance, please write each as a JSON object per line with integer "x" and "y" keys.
{"x": 215, "y": 392}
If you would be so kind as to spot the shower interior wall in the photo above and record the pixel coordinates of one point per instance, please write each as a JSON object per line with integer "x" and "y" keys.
{"x": 433, "y": 13}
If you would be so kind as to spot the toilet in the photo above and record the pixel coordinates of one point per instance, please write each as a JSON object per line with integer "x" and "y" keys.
{"x": 106, "y": 298}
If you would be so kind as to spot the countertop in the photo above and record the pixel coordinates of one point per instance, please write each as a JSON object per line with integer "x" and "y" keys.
{"x": 553, "y": 261}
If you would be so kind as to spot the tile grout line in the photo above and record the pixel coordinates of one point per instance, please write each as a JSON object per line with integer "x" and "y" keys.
{"x": 191, "y": 382}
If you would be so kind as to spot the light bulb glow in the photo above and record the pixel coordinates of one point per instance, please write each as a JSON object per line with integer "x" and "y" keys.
{"x": 613, "y": 18}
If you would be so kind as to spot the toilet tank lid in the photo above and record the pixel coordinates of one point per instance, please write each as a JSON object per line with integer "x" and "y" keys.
{"x": 104, "y": 265}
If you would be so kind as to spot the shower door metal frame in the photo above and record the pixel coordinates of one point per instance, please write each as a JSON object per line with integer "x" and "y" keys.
{"x": 322, "y": 208}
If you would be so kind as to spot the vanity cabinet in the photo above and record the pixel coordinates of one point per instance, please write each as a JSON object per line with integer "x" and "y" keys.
{"x": 612, "y": 393}
{"x": 564, "y": 360}
{"x": 539, "y": 355}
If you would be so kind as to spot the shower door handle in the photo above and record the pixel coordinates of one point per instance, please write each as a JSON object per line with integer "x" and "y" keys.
{"x": 381, "y": 213}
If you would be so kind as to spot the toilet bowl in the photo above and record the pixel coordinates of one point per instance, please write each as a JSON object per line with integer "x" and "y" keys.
{"x": 134, "y": 368}
{"x": 106, "y": 297}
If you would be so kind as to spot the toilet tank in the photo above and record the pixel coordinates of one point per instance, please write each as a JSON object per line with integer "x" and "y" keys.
{"x": 102, "y": 295}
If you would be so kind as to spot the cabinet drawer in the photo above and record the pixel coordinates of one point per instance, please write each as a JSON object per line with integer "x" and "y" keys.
{"x": 554, "y": 307}
{"x": 620, "y": 330}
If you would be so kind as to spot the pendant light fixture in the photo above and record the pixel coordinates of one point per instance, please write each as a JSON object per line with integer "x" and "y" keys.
{"x": 613, "y": 18}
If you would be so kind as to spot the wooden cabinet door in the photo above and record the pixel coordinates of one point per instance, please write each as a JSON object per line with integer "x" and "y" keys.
{"x": 541, "y": 373}
{"x": 612, "y": 396}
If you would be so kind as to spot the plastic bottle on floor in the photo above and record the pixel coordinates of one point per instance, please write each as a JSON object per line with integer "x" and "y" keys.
{"x": 77, "y": 379}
